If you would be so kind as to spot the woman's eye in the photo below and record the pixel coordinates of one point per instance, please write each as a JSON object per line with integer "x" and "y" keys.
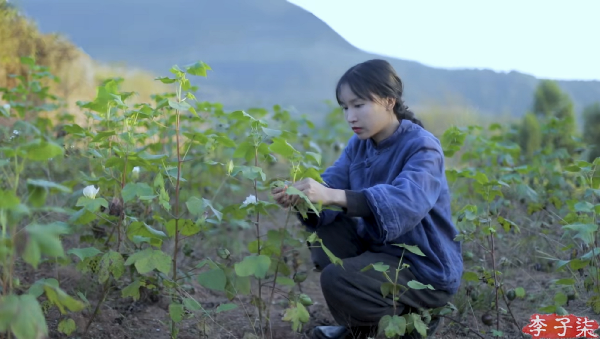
{"x": 358, "y": 106}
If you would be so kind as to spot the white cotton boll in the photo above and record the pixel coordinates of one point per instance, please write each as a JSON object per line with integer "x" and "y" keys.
{"x": 251, "y": 199}
{"x": 91, "y": 191}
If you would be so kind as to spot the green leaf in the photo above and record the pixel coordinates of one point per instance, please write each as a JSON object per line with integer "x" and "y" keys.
{"x": 294, "y": 191}
{"x": 560, "y": 299}
{"x": 226, "y": 307}
{"x": 282, "y": 147}
{"x": 83, "y": 253}
{"x": 218, "y": 214}
{"x": 250, "y": 172}
{"x": 577, "y": 264}
{"x": 112, "y": 263}
{"x": 214, "y": 279}
{"x": 8, "y": 200}
{"x": 166, "y": 80}
{"x": 548, "y": 309}
{"x": 92, "y": 205}
{"x": 379, "y": 267}
{"x": 572, "y": 168}
{"x": 312, "y": 173}
{"x": 419, "y": 324}
{"x": 103, "y": 136}
{"x": 191, "y": 304}
{"x": 181, "y": 106}
{"x": 584, "y": 232}
{"x": 452, "y": 140}
{"x": 198, "y": 69}
{"x": 131, "y": 190}
{"x": 195, "y": 206}
{"x": 67, "y": 326}
{"x": 470, "y": 276}
{"x": 411, "y": 248}
{"x": 141, "y": 229}
{"x": 60, "y": 298}
{"x": 334, "y": 260}
{"x": 132, "y": 290}
{"x": 584, "y": 206}
{"x": 298, "y": 315}
{"x": 176, "y": 312}
{"x": 147, "y": 260}
{"x": 23, "y": 316}
{"x": 49, "y": 185}
{"x": 508, "y": 225}
{"x": 244, "y": 150}
{"x": 565, "y": 281}
{"x": 315, "y": 156}
{"x": 387, "y": 288}
{"x": 419, "y": 286}
{"x": 185, "y": 227}
{"x": 285, "y": 281}
{"x": 43, "y": 239}
{"x": 38, "y": 150}
{"x": 392, "y": 326}
{"x": 256, "y": 265}
{"x": 241, "y": 116}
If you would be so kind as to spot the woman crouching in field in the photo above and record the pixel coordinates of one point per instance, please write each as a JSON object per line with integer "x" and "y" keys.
{"x": 391, "y": 186}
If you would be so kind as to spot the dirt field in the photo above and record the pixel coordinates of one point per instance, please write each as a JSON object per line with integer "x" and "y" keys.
{"x": 148, "y": 317}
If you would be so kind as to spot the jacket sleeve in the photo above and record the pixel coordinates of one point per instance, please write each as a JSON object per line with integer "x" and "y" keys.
{"x": 398, "y": 207}
{"x": 336, "y": 176}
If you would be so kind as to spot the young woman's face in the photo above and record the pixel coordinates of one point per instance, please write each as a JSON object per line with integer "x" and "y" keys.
{"x": 368, "y": 119}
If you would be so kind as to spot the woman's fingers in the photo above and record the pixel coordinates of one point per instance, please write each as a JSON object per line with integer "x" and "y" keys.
{"x": 280, "y": 196}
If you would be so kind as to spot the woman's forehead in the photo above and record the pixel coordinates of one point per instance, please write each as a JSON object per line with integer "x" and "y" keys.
{"x": 347, "y": 95}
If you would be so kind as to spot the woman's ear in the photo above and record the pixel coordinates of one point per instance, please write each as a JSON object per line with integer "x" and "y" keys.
{"x": 391, "y": 102}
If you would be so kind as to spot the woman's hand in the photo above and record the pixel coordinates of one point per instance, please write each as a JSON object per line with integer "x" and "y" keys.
{"x": 314, "y": 191}
{"x": 281, "y": 197}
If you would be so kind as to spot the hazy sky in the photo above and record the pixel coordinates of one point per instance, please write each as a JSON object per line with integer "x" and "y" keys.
{"x": 554, "y": 39}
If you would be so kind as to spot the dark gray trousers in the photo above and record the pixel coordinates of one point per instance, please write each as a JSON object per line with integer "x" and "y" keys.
{"x": 354, "y": 298}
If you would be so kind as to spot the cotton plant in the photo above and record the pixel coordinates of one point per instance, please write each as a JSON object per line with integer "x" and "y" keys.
{"x": 91, "y": 191}
{"x": 135, "y": 173}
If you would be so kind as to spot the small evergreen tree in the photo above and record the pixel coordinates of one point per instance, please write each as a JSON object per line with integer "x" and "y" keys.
{"x": 591, "y": 130}
{"x": 530, "y": 135}
{"x": 551, "y": 103}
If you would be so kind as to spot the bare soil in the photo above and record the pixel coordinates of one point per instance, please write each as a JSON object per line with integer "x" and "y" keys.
{"x": 148, "y": 317}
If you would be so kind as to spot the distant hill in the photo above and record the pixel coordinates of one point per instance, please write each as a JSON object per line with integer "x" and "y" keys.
{"x": 266, "y": 52}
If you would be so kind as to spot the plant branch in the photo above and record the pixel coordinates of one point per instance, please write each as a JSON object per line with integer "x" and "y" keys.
{"x": 277, "y": 267}
{"x": 105, "y": 290}
{"x": 257, "y": 224}
{"x": 511, "y": 312}
{"x": 463, "y": 325}
{"x": 177, "y": 185}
